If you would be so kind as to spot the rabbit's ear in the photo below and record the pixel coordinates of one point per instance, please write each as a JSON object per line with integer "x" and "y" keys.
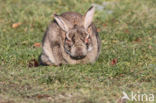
{"x": 89, "y": 17}
{"x": 63, "y": 23}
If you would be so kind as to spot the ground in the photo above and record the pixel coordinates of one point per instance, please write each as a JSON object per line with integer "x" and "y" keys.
{"x": 127, "y": 62}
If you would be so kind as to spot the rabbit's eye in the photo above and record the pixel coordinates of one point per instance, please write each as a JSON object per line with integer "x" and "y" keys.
{"x": 86, "y": 41}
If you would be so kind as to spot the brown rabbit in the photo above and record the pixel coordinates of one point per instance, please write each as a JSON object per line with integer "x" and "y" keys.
{"x": 71, "y": 39}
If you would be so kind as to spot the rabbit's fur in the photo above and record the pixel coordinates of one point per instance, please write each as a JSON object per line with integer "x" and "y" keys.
{"x": 71, "y": 39}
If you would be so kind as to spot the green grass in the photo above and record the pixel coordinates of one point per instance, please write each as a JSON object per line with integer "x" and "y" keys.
{"x": 128, "y": 35}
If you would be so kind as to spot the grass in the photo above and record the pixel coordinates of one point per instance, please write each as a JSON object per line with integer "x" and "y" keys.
{"x": 127, "y": 34}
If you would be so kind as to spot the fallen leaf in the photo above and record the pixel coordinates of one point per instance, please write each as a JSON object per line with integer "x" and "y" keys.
{"x": 37, "y": 44}
{"x": 15, "y": 25}
{"x": 43, "y": 96}
{"x": 98, "y": 30}
{"x": 138, "y": 39}
{"x": 33, "y": 63}
{"x": 121, "y": 75}
{"x": 40, "y": 96}
{"x": 104, "y": 25}
{"x": 126, "y": 31}
{"x": 114, "y": 61}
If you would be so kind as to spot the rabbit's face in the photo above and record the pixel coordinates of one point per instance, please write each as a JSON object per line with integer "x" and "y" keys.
{"x": 77, "y": 43}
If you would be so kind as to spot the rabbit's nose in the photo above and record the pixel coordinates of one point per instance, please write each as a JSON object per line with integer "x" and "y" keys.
{"x": 79, "y": 52}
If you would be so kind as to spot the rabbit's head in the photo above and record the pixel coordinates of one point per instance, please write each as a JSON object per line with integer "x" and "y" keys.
{"x": 78, "y": 41}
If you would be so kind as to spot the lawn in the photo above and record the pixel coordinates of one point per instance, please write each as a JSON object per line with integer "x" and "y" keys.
{"x": 127, "y": 62}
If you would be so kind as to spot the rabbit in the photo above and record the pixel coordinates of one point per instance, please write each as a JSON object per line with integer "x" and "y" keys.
{"x": 71, "y": 38}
